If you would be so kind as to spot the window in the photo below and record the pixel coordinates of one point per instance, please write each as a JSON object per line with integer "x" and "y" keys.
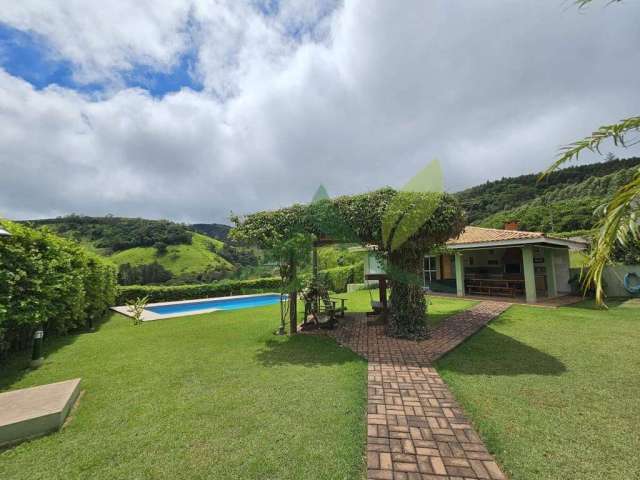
{"x": 430, "y": 269}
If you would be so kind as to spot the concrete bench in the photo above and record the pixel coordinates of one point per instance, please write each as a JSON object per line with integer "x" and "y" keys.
{"x": 32, "y": 412}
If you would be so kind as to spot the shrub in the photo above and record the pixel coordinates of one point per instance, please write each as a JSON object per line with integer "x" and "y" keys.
{"x": 142, "y": 274}
{"x": 337, "y": 278}
{"x": 49, "y": 281}
{"x": 161, "y": 248}
{"x": 167, "y": 293}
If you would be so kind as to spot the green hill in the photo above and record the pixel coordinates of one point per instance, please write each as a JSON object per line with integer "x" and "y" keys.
{"x": 490, "y": 198}
{"x": 563, "y": 208}
{"x": 185, "y": 259}
{"x": 164, "y": 250}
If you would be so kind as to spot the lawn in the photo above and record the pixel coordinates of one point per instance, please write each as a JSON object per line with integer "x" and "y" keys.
{"x": 439, "y": 309}
{"x": 555, "y": 392}
{"x": 202, "y": 397}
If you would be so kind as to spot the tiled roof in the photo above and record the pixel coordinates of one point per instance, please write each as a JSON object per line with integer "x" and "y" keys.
{"x": 481, "y": 235}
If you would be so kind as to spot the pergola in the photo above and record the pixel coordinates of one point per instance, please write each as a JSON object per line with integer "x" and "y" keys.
{"x": 403, "y": 226}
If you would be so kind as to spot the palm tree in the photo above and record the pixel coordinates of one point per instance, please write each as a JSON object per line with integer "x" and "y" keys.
{"x": 620, "y": 217}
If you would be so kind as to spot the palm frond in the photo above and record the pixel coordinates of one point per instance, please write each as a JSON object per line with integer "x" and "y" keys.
{"x": 584, "y": 3}
{"x": 617, "y": 132}
{"x": 619, "y": 223}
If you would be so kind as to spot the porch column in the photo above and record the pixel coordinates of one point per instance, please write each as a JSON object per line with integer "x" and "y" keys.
{"x": 550, "y": 267}
{"x": 529, "y": 274}
{"x": 459, "y": 274}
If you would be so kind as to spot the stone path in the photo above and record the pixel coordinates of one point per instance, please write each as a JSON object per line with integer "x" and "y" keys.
{"x": 416, "y": 429}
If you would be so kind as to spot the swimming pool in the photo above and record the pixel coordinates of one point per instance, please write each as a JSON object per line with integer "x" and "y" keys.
{"x": 156, "y": 311}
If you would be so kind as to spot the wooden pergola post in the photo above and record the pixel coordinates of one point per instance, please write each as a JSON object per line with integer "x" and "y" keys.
{"x": 293, "y": 298}
{"x": 314, "y": 263}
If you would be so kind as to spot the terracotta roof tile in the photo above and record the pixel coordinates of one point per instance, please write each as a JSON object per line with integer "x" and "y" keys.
{"x": 480, "y": 235}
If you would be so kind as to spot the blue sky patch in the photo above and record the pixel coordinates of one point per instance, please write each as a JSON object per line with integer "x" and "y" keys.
{"x": 28, "y": 56}
{"x": 268, "y": 8}
{"x": 159, "y": 83}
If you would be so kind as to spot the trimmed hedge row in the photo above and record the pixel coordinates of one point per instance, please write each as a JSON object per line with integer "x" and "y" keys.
{"x": 337, "y": 278}
{"x": 167, "y": 293}
{"x": 50, "y": 281}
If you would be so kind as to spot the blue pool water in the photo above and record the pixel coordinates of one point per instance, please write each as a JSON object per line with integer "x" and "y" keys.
{"x": 217, "y": 303}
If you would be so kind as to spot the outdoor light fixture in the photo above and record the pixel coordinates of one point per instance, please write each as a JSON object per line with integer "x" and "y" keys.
{"x": 37, "y": 358}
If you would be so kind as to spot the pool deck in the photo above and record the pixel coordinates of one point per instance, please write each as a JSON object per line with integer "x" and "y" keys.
{"x": 148, "y": 316}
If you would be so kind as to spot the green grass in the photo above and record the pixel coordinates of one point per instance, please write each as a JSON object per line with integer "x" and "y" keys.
{"x": 202, "y": 397}
{"x": 179, "y": 259}
{"x": 440, "y": 308}
{"x": 208, "y": 396}
{"x": 577, "y": 259}
{"x": 555, "y": 392}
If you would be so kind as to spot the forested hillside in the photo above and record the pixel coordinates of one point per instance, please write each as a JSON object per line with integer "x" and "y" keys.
{"x": 482, "y": 201}
{"x": 113, "y": 234}
{"x": 562, "y": 208}
{"x": 214, "y": 230}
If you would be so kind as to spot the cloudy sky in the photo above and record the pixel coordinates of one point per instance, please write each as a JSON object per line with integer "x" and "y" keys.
{"x": 189, "y": 110}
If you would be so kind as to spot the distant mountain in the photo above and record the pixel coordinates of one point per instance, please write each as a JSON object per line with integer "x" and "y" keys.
{"x": 566, "y": 208}
{"x": 213, "y": 230}
{"x": 482, "y": 201}
{"x": 148, "y": 251}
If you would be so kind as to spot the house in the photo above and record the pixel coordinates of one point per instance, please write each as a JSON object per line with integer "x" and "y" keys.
{"x": 503, "y": 262}
{"x": 498, "y": 262}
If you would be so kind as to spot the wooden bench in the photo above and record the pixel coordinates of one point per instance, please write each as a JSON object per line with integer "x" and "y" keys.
{"x": 491, "y": 290}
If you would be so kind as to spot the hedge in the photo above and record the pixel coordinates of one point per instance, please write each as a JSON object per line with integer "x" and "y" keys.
{"x": 337, "y": 278}
{"x": 167, "y": 293}
{"x": 50, "y": 281}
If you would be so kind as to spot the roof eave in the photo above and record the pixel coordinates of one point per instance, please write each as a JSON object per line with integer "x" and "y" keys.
{"x": 519, "y": 241}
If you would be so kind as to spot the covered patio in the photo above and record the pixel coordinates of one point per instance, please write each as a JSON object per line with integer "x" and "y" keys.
{"x": 508, "y": 263}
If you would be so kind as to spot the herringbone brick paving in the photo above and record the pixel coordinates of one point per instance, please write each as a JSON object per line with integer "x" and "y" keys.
{"x": 416, "y": 429}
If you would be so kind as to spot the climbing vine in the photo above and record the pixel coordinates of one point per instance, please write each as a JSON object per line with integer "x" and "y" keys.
{"x": 402, "y": 225}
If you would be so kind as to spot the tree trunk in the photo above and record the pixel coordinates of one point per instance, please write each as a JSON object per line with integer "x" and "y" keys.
{"x": 407, "y": 312}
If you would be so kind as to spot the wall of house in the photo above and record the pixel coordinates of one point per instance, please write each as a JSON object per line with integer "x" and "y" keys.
{"x": 613, "y": 277}
{"x": 484, "y": 262}
{"x": 447, "y": 267}
{"x": 372, "y": 265}
{"x": 561, "y": 263}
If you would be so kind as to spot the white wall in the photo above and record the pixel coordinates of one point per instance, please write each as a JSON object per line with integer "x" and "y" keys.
{"x": 614, "y": 277}
{"x": 561, "y": 263}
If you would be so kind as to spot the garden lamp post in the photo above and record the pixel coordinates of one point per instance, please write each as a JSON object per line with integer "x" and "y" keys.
{"x": 37, "y": 358}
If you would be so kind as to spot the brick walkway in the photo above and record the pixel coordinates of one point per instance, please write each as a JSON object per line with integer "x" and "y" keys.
{"x": 416, "y": 429}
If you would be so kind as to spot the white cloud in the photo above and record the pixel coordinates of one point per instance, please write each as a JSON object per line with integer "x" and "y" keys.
{"x": 362, "y": 98}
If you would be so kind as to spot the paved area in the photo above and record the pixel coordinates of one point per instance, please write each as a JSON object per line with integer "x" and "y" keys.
{"x": 416, "y": 429}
